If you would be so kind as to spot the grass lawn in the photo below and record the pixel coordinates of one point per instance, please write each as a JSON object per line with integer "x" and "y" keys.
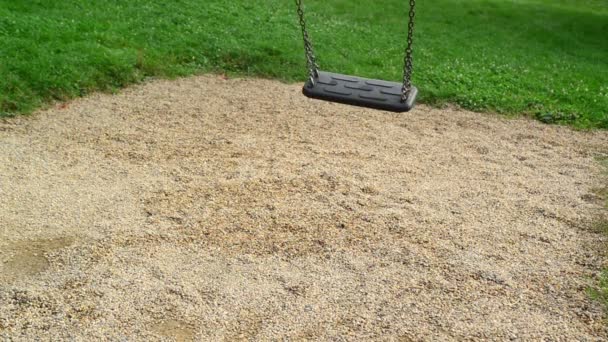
{"x": 547, "y": 58}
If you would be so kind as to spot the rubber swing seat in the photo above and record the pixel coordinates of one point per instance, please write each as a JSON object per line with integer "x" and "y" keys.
{"x": 358, "y": 91}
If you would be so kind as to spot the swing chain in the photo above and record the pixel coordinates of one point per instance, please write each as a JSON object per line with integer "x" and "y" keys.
{"x": 408, "y": 65}
{"x": 311, "y": 60}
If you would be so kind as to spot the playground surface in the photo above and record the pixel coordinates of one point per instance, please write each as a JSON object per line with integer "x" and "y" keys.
{"x": 208, "y": 208}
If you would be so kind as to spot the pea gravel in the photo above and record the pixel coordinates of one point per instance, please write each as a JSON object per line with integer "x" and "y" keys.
{"x": 207, "y": 209}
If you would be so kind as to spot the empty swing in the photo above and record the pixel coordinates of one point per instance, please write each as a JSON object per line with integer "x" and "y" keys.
{"x": 359, "y": 91}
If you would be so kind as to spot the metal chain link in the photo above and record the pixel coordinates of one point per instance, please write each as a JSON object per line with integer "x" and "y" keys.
{"x": 311, "y": 60}
{"x": 408, "y": 65}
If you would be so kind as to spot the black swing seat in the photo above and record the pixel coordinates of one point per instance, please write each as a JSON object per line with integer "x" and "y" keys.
{"x": 358, "y": 91}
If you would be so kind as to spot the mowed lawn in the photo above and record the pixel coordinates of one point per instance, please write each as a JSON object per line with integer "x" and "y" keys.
{"x": 544, "y": 58}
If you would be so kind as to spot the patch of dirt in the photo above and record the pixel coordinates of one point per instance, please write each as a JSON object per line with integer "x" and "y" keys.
{"x": 175, "y": 330}
{"x": 251, "y": 212}
{"x": 23, "y": 259}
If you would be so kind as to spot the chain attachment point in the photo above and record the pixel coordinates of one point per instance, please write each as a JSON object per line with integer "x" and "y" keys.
{"x": 311, "y": 60}
{"x": 408, "y": 65}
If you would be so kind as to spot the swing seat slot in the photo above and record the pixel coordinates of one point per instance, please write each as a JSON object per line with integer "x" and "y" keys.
{"x": 358, "y": 91}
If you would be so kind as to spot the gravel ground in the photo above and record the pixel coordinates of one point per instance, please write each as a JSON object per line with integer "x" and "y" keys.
{"x": 207, "y": 208}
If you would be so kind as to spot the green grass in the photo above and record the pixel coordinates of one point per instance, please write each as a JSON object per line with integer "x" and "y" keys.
{"x": 546, "y": 58}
